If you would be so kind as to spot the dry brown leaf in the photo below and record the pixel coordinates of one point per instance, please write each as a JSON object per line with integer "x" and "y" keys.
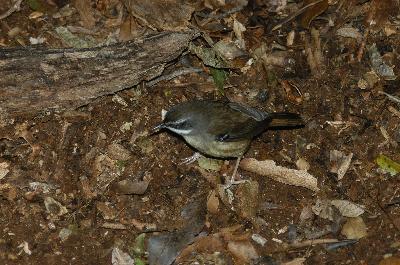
{"x": 86, "y": 12}
{"x": 390, "y": 261}
{"x": 281, "y": 174}
{"x": 162, "y": 14}
{"x": 212, "y": 202}
{"x": 205, "y": 244}
{"x": 247, "y": 199}
{"x": 348, "y": 208}
{"x": 340, "y": 162}
{"x": 354, "y": 228}
{"x": 129, "y": 29}
{"x": 243, "y": 250}
{"x": 313, "y": 11}
{"x": 380, "y": 11}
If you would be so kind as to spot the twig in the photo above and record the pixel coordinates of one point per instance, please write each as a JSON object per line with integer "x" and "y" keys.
{"x": 391, "y": 97}
{"x": 307, "y": 243}
{"x": 15, "y": 7}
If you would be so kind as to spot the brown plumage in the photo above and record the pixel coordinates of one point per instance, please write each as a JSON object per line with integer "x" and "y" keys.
{"x": 223, "y": 129}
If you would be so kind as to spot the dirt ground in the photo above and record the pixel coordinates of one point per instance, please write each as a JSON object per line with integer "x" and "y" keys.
{"x": 81, "y": 185}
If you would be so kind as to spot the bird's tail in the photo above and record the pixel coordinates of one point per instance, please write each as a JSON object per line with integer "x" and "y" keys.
{"x": 283, "y": 120}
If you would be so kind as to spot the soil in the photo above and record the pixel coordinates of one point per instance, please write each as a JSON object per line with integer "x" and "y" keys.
{"x": 81, "y": 154}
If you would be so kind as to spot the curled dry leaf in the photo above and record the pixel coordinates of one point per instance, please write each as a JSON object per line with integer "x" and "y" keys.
{"x": 293, "y": 93}
{"x": 340, "y": 162}
{"x": 118, "y": 257}
{"x": 281, "y": 174}
{"x": 238, "y": 28}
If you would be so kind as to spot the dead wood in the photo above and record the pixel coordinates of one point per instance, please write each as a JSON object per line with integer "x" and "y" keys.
{"x": 35, "y": 79}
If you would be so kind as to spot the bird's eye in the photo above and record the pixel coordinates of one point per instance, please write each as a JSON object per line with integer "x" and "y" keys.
{"x": 182, "y": 125}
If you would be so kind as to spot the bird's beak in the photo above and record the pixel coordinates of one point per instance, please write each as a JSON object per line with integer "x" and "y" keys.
{"x": 157, "y": 128}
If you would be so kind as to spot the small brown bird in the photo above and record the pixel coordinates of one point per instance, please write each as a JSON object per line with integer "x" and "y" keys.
{"x": 223, "y": 129}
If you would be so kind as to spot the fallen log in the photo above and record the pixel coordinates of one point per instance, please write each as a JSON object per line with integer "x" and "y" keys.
{"x": 36, "y": 79}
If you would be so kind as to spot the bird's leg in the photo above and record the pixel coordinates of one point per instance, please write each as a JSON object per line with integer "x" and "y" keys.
{"x": 232, "y": 181}
{"x": 190, "y": 159}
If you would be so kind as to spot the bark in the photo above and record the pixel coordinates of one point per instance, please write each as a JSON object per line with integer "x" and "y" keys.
{"x": 35, "y": 79}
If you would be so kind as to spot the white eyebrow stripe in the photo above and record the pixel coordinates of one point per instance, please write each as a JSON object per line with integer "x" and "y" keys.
{"x": 178, "y": 121}
{"x": 179, "y": 131}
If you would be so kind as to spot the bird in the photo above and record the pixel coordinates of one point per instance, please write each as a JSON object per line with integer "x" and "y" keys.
{"x": 221, "y": 128}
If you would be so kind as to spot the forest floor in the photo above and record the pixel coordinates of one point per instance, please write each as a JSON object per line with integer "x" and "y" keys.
{"x": 92, "y": 186}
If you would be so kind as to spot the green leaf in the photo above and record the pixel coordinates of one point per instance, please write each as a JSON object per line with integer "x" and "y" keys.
{"x": 139, "y": 245}
{"x": 388, "y": 165}
{"x": 139, "y": 261}
{"x": 34, "y": 4}
{"x": 219, "y": 76}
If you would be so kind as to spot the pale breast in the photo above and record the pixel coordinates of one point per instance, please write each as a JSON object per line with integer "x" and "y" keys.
{"x": 218, "y": 149}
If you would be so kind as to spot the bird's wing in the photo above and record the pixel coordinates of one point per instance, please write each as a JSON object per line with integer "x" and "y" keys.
{"x": 236, "y": 122}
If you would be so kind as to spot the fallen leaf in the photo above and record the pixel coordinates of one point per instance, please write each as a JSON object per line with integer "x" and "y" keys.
{"x": 324, "y": 209}
{"x": 212, "y": 202}
{"x": 354, "y": 228}
{"x": 118, "y": 257}
{"x": 390, "y": 261}
{"x": 127, "y": 186}
{"x": 86, "y": 12}
{"x": 4, "y": 169}
{"x": 379, "y": 65}
{"x": 247, "y": 199}
{"x": 238, "y": 28}
{"x": 162, "y": 14}
{"x": 388, "y": 165}
{"x": 106, "y": 210}
{"x": 348, "y": 208}
{"x": 243, "y": 250}
{"x": 54, "y": 207}
{"x": 340, "y": 162}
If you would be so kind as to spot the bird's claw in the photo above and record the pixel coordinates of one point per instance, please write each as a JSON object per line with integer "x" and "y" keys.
{"x": 190, "y": 159}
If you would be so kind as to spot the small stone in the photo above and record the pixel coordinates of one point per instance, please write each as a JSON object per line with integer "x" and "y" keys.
{"x": 362, "y": 84}
{"x": 64, "y": 234}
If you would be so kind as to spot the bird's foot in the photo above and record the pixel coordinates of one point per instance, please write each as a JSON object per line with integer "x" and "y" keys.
{"x": 230, "y": 182}
{"x": 190, "y": 159}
